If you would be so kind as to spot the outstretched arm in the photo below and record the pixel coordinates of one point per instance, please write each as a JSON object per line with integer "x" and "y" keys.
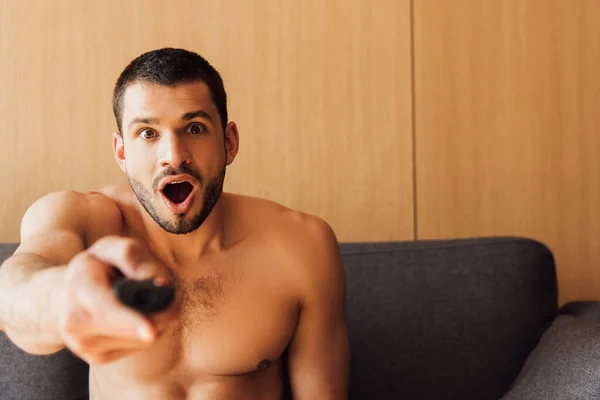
{"x": 53, "y": 231}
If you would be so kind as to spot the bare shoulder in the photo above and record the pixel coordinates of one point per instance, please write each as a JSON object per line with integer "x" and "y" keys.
{"x": 312, "y": 243}
{"x": 69, "y": 210}
{"x": 305, "y": 233}
{"x": 311, "y": 251}
{"x": 288, "y": 226}
{"x": 60, "y": 224}
{"x": 307, "y": 242}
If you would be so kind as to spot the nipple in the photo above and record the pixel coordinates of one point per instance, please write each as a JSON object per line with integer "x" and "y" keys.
{"x": 263, "y": 364}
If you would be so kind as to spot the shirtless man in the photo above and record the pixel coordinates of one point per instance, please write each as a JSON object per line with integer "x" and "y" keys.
{"x": 257, "y": 284}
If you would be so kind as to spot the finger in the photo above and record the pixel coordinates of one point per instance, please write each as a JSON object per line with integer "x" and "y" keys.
{"x": 128, "y": 255}
{"x": 115, "y": 320}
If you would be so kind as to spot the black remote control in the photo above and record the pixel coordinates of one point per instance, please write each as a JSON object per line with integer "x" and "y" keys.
{"x": 142, "y": 295}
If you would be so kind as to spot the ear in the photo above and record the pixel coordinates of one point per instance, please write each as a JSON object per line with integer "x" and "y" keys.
{"x": 232, "y": 141}
{"x": 119, "y": 150}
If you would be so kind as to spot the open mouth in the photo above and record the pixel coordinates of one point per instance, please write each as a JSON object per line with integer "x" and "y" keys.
{"x": 177, "y": 192}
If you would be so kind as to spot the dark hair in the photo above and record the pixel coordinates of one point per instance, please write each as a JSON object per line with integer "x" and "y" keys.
{"x": 169, "y": 66}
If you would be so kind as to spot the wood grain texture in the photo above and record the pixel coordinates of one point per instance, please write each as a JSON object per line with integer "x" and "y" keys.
{"x": 321, "y": 92}
{"x": 507, "y": 127}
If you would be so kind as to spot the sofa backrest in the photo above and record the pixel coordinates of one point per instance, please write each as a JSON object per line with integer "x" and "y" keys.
{"x": 427, "y": 320}
{"x": 445, "y": 319}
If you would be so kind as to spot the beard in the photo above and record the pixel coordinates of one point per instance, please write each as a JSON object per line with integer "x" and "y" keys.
{"x": 182, "y": 223}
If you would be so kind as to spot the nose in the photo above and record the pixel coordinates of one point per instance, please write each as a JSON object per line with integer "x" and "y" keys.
{"x": 174, "y": 151}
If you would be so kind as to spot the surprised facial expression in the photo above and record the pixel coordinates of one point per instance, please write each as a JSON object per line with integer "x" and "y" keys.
{"x": 174, "y": 152}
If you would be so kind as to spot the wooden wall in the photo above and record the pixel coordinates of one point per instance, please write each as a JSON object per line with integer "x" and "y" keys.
{"x": 507, "y": 115}
{"x": 392, "y": 119}
{"x": 321, "y": 92}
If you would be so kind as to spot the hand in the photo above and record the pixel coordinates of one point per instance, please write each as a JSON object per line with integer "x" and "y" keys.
{"x": 93, "y": 323}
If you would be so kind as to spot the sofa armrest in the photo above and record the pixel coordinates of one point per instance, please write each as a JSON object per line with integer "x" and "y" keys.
{"x": 588, "y": 310}
{"x": 564, "y": 365}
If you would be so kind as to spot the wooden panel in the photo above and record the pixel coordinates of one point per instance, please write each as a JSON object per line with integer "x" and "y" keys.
{"x": 321, "y": 92}
{"x": 507, "y": 127}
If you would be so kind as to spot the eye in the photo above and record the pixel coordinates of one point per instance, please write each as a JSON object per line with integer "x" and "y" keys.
{"x": 196, "y": 129}
{"x": 147, "y": 134}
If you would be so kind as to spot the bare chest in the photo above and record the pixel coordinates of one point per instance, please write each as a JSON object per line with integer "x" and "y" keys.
{"x": 233, "y": 320}
{"x": 236, "y": 317}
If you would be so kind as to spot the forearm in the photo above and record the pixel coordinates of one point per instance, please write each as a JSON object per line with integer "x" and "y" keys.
{"x": 29, "y": 296}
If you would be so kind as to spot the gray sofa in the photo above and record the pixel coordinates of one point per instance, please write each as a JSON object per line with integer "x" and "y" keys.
{"x": 456, "y": 319}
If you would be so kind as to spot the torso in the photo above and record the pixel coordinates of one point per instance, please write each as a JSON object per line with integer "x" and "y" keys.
{"x": 239, "y": 311}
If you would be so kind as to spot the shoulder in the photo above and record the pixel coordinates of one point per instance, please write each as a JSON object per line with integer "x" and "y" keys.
{"x": 281, "y": 225}
{"x": 67, "y": 199}
{"x": 305, "y": 233}
{"x": 304, "y": 244}
{"x": 311, "y": 250}
{"x": 71, "y": 210}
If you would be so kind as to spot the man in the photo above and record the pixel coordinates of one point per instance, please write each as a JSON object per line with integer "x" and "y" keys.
{"x": 254, "y": 281}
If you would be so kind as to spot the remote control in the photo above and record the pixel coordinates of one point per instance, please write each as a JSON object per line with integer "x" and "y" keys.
{"x": 142, "y": 295}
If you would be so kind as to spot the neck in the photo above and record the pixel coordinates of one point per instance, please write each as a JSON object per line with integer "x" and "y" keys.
{"x": 175, "y": 249}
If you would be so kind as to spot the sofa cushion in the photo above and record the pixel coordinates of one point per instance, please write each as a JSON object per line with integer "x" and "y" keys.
{"x": 565, "y": 365}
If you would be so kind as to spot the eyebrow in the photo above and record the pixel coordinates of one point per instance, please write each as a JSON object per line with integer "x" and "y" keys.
{"x": 142, "y": 120}
{"x": 195, "y": 114}
{"x": 185, "y": 117}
